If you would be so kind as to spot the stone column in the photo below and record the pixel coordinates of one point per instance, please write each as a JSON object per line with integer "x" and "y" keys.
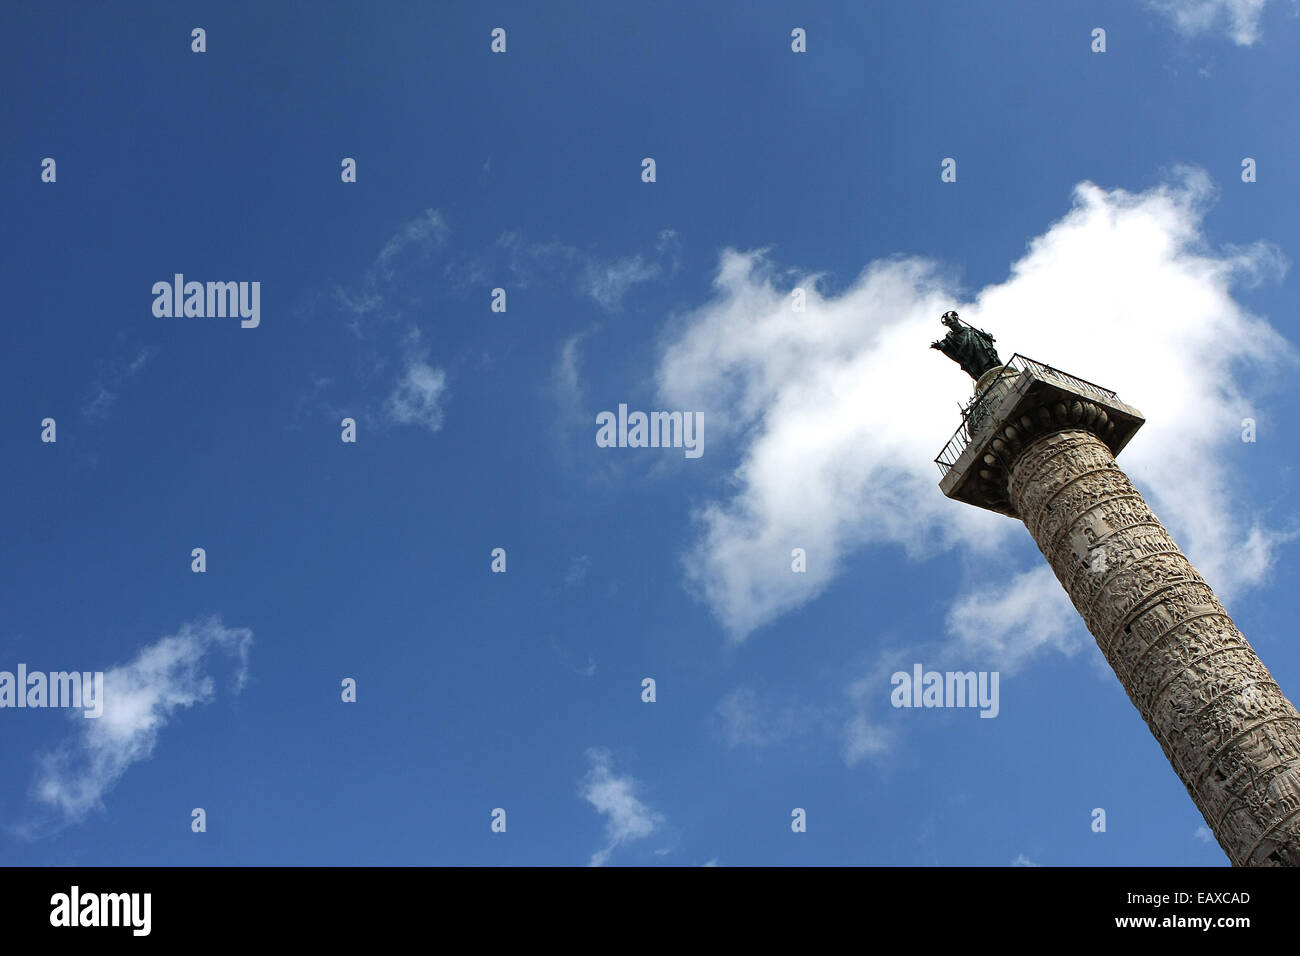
{"x": 1045, "y": 452}
{"x": 1229, "y": 732}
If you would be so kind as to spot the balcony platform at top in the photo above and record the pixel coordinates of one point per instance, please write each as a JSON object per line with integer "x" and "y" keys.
{"x": 1035, "y": 400}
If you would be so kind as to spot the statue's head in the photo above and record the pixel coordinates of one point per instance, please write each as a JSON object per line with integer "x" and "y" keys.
{"x": 949, "y": 319}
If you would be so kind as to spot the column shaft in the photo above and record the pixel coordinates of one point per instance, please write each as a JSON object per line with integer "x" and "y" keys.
{"x": 1227, "y": 729}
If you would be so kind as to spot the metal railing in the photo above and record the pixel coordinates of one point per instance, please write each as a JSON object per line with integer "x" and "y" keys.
{"x": 1020, "y": 362}
{"x": 973, "y": 414}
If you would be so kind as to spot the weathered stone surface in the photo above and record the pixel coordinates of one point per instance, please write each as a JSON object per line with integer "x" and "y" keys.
{"x": 1227, "y": 729}
{"x": 1012, "y": 407}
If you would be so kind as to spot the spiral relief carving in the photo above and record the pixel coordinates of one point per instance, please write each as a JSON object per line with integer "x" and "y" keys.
{"x": 1224, "y": 724}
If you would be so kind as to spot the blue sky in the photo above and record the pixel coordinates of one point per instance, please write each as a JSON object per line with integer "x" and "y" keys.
{"x": 1098, "y": 196}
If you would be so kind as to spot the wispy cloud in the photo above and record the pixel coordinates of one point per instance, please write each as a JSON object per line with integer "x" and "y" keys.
{"x": 526, "y": 260}
{"x": 808, "y": 407}
{"x": 576, "y": 574}
{"x": 864, "y": 739}
{"x": 747, "y": 719}
{"x": 1023, "y": 860}
{"x": 140, "y": 698}
{"x": 113, "y": 374}
{"x": 383, "y": 290}
{"x": 422, "y": 235}
{"x": 627, "y": 818}
{"x": 567, "y": 375}
{"x": 1238, "y": 19}
{"x": 861, "y": 736}
{"x": 397, "y": 381}
{"x": 567, "y": 386}
{"x": 417, "y": 397}
{"x": 1011, "y": 621}
{"x": 518, "y": 262}
{"x": 607, "y": 282}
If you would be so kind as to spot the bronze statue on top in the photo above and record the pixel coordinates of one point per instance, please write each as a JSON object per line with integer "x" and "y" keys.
{"x": 969, "y": 347}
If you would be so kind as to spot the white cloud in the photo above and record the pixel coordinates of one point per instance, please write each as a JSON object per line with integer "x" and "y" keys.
{"x": 566, "y": 383}
{"x": 576, "y": 574}
{"x": 403, "y": 257}
{"x": 608, "y": 282}
{"x": 519, "y": 262}
{"x": 864, "y": 739}
{"x": 418, "y": 392}
{"x": 567, "y": 376}
{"x": 424, "y": 233}
{"x": 750, "y": 720}
{"x": 417, "y": 397}
{"x": 1239, "y": 19}
{"x": 102, "y": 394}
{"x": 834, "y": 415}
{"x": 628, "y": 818}
{"x": 741, "y": 720}
{"x": 526, "y": 259}
{"x": 669, "y": 248}
{"x": 1023, "y": 860}
{"x": 1203, "y": 834}
{"x": 140, "y": 697}
{"x": 1010, "y": 621}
